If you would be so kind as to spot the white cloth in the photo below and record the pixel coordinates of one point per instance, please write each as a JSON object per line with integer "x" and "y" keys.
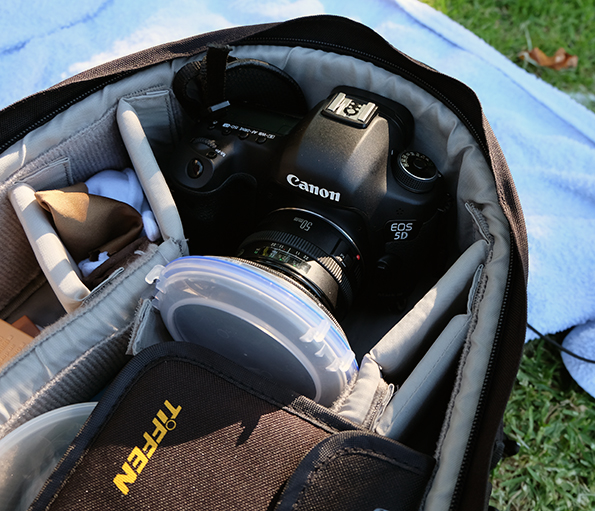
{"x": 122, "y": 186}
{"x": 87, "y": 266}
{"x": 581, "y": 340}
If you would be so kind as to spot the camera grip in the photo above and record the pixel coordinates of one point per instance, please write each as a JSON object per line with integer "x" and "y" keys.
{"x": 215, "y": 222}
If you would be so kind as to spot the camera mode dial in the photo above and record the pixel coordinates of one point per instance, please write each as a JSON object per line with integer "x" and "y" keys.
{"x": 415, "y": 172}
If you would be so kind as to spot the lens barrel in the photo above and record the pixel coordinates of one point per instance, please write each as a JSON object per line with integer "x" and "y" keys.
{"x": 311, "y": 250}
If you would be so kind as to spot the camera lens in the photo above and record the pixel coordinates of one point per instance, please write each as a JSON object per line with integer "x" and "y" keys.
{"x": 312, "y": 251}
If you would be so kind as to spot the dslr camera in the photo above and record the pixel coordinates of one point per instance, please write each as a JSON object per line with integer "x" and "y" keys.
{"x": 333, "y": 198}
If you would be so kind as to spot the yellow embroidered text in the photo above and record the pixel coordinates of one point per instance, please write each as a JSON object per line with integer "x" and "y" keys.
{"x": 138, "y": 457}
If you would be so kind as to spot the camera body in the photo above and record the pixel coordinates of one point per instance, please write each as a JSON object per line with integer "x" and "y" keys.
{"x": 334, "y": 198}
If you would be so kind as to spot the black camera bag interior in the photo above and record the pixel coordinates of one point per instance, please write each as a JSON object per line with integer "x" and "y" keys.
{"x": 454, "y": 351}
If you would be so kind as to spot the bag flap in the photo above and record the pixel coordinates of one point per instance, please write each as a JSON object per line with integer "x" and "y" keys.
{"x": 183, "y": 428}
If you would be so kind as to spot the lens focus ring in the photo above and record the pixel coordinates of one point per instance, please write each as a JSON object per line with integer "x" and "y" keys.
{"x": 312, "y": 251}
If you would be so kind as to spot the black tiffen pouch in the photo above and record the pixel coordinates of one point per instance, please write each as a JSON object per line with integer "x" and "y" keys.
{"x": 184, "y": 428}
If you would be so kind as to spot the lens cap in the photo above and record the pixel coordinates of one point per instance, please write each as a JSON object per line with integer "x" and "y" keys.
{"x": 259, "y": 320}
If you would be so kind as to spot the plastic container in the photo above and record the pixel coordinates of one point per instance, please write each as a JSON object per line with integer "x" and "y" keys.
{"x": 29, "y": 454}
{"x": 258, "y": 320}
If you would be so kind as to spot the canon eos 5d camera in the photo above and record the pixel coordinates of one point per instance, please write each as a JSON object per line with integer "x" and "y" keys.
{"x": 334, "y": 199}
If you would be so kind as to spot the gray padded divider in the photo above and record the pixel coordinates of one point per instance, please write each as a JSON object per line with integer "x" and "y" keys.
{"x": 107, "y": 310}
{"x": 411, "y": 337}
{"x": 78, "y": 382}
{"x": 410, "y": 400}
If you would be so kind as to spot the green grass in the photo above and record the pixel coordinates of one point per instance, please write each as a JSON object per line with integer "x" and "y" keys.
{"x": 553, "y": 420}
{"x": 512, "y": 26}
{"x": 549, "y": 415}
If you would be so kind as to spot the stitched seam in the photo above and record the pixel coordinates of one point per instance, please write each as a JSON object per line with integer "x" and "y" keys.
{"x": 350, "y": 451}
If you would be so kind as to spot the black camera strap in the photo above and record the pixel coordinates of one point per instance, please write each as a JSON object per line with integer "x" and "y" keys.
{"x": 213, "y": 73}
{"x": 218, "y": 80}
{"x": 200, "y": 86}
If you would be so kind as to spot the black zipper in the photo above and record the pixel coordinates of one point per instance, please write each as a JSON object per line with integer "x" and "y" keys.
{"x": 455, "y": 501}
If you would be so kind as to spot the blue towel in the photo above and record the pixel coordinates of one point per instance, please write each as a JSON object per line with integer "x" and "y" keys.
{"x": 547, "y": 138}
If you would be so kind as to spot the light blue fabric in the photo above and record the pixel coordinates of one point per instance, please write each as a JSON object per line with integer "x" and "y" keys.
{"x": 547, "y": 138}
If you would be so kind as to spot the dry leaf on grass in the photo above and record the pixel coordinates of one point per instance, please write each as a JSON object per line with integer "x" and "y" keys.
{"x": 560, "y": 60}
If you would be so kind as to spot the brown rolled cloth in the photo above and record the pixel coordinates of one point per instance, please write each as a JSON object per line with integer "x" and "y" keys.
{"x": 89, "y": 224}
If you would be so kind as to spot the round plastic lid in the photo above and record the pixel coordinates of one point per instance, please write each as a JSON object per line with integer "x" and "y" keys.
{"x": 29, "y": 454}
{"x": 258, "y": 320}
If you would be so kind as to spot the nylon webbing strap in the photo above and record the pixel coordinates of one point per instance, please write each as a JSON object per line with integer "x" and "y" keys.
{"x": 200, "y": 86}
{"x": 213, "y": 74}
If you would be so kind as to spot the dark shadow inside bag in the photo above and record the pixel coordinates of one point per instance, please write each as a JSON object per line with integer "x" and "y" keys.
{"x": 183, "y": 428}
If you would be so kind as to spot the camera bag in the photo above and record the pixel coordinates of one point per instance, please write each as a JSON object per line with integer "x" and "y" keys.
{"x": 424, "y": 415}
